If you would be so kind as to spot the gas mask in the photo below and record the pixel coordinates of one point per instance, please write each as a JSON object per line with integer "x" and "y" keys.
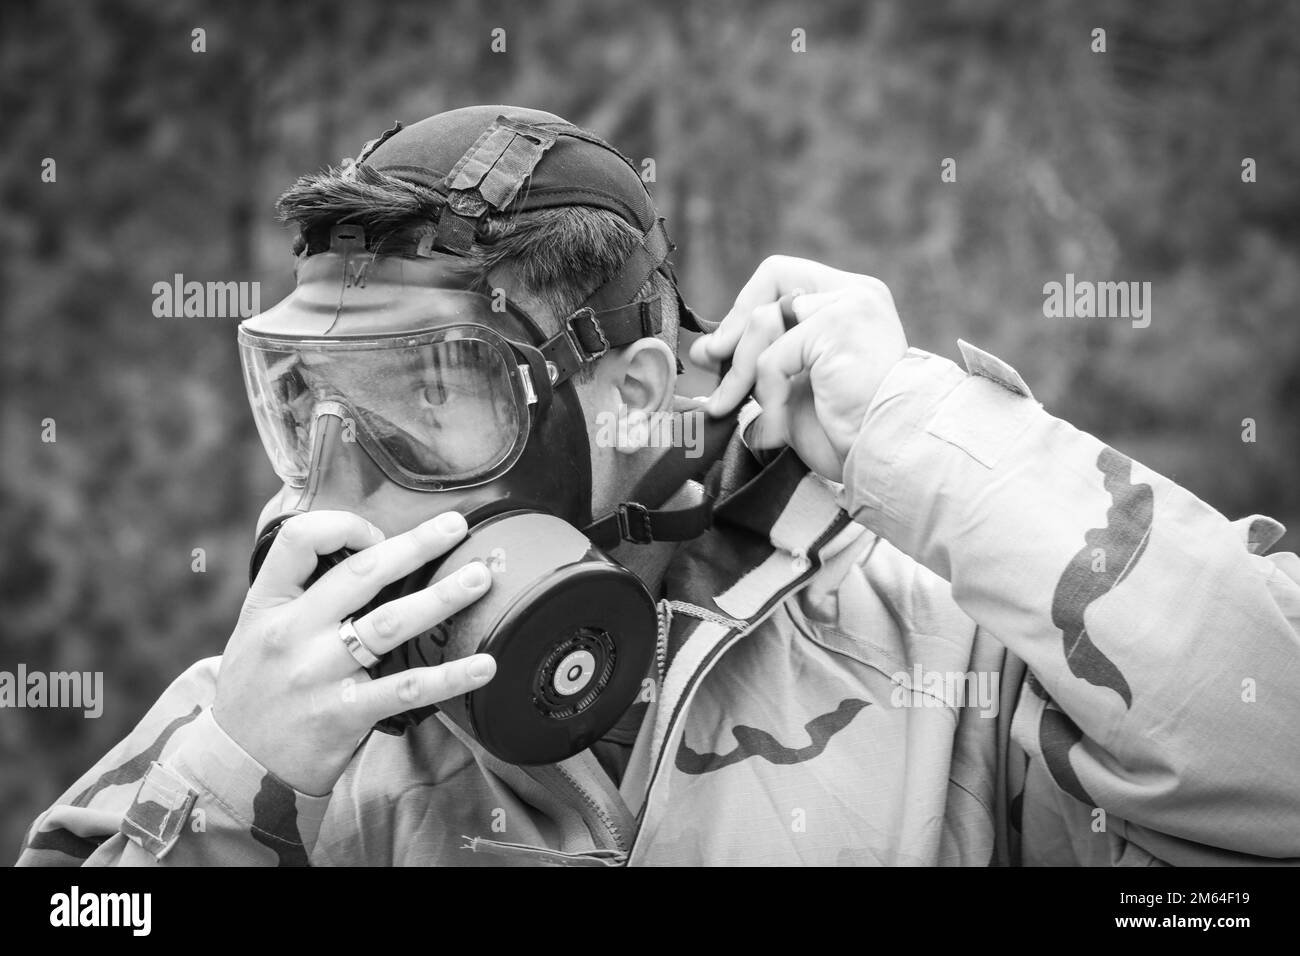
{"x": 387, "y": 385}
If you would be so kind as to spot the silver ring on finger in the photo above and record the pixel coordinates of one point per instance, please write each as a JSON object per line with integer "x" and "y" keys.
{"x": 352, "y": 641}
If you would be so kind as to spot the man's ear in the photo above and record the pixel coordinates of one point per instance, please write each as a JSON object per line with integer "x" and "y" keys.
{"x": 643, "y": 376}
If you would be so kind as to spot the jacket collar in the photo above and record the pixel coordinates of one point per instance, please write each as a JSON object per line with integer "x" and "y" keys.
{"x": 774, "y": 524}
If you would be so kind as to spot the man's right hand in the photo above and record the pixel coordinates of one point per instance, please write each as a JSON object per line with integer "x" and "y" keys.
{"x": 289, "y": 692}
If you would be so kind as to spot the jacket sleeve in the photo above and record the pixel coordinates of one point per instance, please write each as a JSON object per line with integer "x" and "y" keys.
{"x": 1162, "y": 698}
{"x": 177, "y": 791}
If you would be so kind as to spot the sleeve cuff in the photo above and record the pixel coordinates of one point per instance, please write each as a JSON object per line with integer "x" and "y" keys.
{"x": 209, "y": 785}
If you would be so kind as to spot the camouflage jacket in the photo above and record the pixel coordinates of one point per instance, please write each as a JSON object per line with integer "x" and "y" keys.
{"x": 998, "y": 642}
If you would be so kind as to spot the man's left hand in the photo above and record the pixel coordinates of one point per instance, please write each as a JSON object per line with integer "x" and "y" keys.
{"x": 816, "y": 381}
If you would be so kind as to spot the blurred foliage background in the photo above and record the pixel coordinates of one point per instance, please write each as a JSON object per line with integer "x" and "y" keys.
{"x": 1117, "y": 166}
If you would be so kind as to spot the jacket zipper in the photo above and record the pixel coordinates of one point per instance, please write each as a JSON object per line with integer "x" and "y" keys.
{"x": 739, "y": 629}
{"x": 606, "y": 821}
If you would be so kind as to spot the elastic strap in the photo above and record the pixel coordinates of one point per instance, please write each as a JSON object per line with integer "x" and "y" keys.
{"x": 638, "y": 522}
{"x": 640, "y": 519}
{"x": 609, "y": 319}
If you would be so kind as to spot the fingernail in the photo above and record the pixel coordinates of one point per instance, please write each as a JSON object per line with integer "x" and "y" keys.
{"x": 450, "y": 522}
{"x": 473, "y": 575}
{"x": 482, "y": 666}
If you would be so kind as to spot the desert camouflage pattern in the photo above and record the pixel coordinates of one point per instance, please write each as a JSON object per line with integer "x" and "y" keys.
{"x": 1139, "y": 649}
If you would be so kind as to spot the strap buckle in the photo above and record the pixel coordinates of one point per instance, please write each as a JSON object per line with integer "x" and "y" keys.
{"x": 591, "y": 330}
{"x": 634, "y": 523}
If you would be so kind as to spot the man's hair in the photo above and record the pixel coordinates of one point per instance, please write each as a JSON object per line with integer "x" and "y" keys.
{"x": 561, "y": 255}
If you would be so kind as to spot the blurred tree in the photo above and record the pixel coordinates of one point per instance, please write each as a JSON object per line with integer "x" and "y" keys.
{"x": 1123, "y": 165}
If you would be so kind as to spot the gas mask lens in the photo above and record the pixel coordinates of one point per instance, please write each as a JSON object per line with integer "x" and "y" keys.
{"x": 440, "y": 409}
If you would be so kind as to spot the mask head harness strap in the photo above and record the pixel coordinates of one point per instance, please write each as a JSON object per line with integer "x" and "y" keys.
{"x": 545, "y": 162}
{"x": 641, "y": 520}
{"x": 505, "y": 169}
